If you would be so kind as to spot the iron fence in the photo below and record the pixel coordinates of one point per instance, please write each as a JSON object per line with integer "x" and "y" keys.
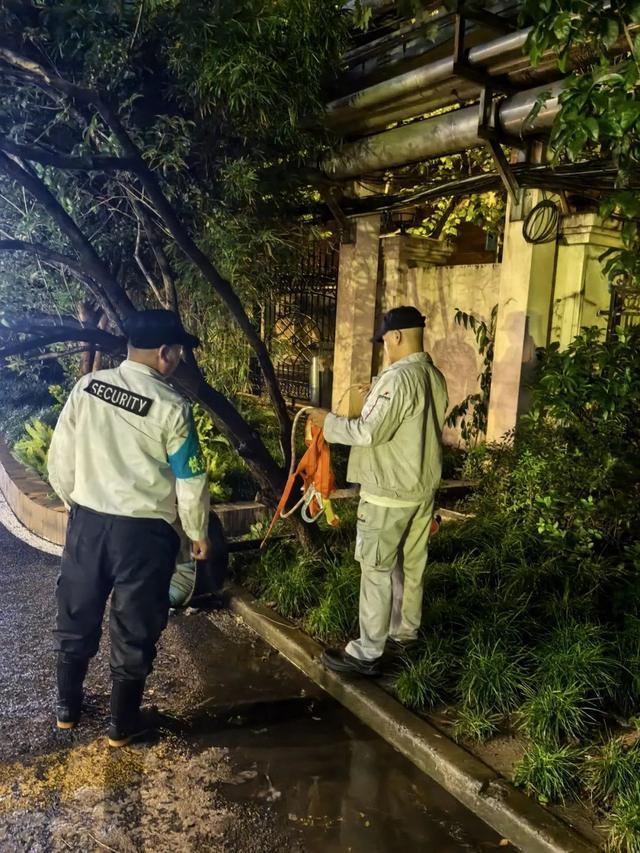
{"x": 624, "y": 310}
{"x": 299, "y": 318}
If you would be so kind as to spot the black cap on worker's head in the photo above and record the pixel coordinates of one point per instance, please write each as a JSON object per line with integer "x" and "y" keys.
{"x": 154, "y": 329}
{"x": 403, "y": 317}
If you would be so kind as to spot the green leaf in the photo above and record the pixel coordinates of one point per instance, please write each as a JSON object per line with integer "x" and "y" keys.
{"x": 592, "y": 128}
{"x": 562, "y": 26}
{"x": 629, "y": 115}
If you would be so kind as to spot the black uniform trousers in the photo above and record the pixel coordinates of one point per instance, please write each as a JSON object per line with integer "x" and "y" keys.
{"x": 133, "y": 558}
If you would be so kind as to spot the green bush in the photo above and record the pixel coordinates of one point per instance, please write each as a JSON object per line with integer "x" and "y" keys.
{"x": 33, "y": 448}
{"x": 427, "y": 681}
{"x": 220, "y": 458}
{"x": 335, "y": 617}
{"x": 623, "y": 823}
{"x": 475, "y": 725}
{"x": 550, "y": 773}
{"x": 613, "y": 771}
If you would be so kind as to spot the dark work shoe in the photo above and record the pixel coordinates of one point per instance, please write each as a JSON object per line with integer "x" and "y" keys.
{"x": 400, "y": 648}
{"x": 338, "y": 660}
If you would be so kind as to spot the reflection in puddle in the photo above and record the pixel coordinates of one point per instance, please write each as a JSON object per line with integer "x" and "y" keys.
{"x": 344, "y": 789}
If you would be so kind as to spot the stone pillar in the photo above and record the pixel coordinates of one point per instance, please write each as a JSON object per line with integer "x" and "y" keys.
{"x": 526, "y": 285}
{"x": 581, "y": 296}
{"x": 355, "y": 314}
{"x": 548, "y": 293}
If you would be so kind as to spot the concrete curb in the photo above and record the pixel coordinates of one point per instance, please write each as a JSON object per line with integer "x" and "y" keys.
{"x": 30, "y": 499}
{"x": 523, "y": 821}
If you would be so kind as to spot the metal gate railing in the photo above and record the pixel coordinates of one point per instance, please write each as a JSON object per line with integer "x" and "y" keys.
{"x": 624, "y": 310}
{"x": 300, "y": 318}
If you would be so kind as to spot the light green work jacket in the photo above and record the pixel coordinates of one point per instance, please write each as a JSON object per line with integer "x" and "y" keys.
{"x": 397, "y": 440}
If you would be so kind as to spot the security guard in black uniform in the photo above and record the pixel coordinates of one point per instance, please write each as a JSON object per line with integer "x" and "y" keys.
{"x": 125, "y": 460}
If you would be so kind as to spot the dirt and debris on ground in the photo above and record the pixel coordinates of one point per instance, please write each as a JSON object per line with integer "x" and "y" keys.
{"x": 253, "y": 758}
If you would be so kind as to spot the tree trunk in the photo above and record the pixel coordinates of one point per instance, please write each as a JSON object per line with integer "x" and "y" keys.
{"x": 87, "y": 317}
{"x": 270, "y": 476}
{"x": 103, "y": 322}
{"x": 233, "y": 426}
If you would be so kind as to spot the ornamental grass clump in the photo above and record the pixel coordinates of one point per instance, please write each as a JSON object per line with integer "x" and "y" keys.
{"x": 550, "y": 773}
{"x": 475, "y": 725}
{"x": 259, "y": 568}
{"x": 623, "y": 823}
{"x": 426, "y": 681}
{"x": 335, "y": 616}
{"x": 492, "y": 676}
{"x": 293, "y": 586}
{"x": 580, "y": 654}
{"x": 576, "y": 673}
{"x": 613, "y": 771}
{"x": 554, "y": 715}
{"x": 628, "y": 650}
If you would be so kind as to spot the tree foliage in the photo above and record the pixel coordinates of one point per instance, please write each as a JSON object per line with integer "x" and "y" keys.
{"x": 600, "y": 105}
{"x": 152, "y": 155}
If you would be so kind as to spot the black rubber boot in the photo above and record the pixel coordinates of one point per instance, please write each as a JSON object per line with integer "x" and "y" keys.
{"x": 127, "y": 723}
{"x": 70, "y": 676}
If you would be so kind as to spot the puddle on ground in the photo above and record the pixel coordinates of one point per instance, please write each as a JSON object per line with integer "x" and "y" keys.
{"x": 256, "y": 760}
{"x": 342, "y": 787}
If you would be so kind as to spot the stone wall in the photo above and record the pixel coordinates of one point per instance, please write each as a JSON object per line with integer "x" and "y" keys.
{"x": 438, "y": 292}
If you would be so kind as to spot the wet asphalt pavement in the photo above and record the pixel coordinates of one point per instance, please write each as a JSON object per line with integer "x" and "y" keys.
{"x": 253, "y": 759}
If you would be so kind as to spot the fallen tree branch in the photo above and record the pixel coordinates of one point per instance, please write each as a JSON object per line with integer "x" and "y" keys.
{"x": 114, "y": 296}
{"x": 167, "y": 214}
{"x": 44, "y": 253}
{"x": 143, "y": 268}
{"x": 97, "y": 338}
{"x": 87, "y": 163}
{"x": 168, "y": 279}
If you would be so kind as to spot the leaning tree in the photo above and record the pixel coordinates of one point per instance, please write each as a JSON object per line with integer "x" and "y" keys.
{"x": 136, "y": 142}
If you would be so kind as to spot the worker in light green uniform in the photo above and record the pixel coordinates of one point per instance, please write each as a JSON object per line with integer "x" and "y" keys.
{"x": 396, "y": 458}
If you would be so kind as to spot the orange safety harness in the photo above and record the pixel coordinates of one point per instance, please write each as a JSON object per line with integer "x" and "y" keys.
{"x": 318, "y": 482}
{"x": 314, "y": 469}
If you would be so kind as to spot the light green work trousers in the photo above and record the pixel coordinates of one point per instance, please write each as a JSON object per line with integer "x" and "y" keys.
{"x": 392, "y": 547}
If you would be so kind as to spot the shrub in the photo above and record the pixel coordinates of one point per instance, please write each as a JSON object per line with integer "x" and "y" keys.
{"x": 33, "y": 448}
{"x": 335, "y": 617}
{"x": 492, "y": 676}
{"x": 426, "y": 681}
{"x": 549, "y": 773}
{"x": 623, "y": 823}
{"x": 613, "y": 771}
